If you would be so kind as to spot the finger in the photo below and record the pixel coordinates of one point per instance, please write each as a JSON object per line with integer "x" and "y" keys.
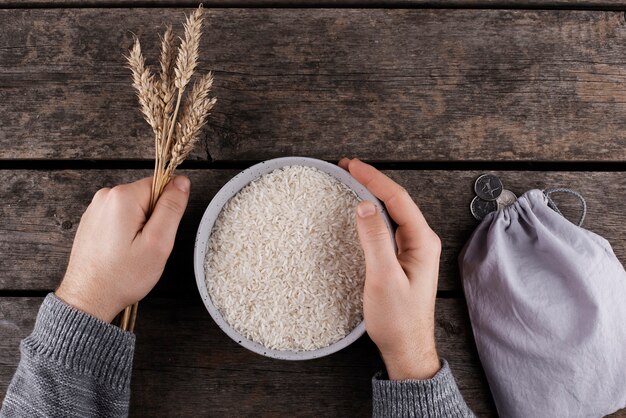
{"x": 163, "y": 223}
{"x": 380, "y": 255}
{"x": 388, "y": 191}
{"x": 101, "y": 193}
{"x": 413, "y": 229}
{"x": 140, "y": 189}
{"x": 344, "y": 162}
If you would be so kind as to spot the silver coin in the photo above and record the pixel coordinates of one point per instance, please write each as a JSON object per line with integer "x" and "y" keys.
{"x": 506, "y": 198}
{"x": 481, "y": 208}
{"x": 488, "y": 187}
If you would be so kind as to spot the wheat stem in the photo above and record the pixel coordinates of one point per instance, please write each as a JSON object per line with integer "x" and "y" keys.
{"x": 157, "y": 159}
{"x": 173, "y": 139}
{"x": 168, "y": 144}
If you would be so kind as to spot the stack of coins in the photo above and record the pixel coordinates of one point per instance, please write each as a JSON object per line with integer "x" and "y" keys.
{"x": 490, "y": 196}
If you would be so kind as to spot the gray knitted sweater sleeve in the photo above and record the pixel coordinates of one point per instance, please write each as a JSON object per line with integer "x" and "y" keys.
{"x": 438, "y": 397}
{"x": 72, "y": 365}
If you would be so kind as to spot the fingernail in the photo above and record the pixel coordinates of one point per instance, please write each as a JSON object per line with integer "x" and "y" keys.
{"x": 182, "y": 183}
{"x": 366, "y": 209}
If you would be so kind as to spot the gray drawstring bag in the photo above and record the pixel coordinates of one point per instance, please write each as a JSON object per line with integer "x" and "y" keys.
{"x": 547, "y": 302}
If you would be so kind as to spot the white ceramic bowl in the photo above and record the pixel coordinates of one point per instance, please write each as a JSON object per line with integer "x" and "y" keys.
{"x": 206, "y": 225}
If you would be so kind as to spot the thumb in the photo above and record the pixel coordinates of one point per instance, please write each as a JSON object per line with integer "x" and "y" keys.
{"x": 169, "y": 209}
{"x": 377, "y": 245}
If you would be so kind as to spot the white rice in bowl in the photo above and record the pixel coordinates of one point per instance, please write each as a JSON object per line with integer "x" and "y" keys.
{"x": 284, "y": 266}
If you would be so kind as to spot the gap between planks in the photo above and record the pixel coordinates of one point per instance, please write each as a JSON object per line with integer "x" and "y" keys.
{"x": 576, "y": 166}
{"x": 597, "y": 5}
{"x": 19, "y": 293}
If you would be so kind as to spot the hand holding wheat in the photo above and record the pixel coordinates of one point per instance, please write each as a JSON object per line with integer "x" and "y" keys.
{"x": 160, "y": 100}
{"x": 119, "y": 253}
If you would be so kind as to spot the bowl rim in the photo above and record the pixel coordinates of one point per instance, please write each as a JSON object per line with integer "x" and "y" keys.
{"x": 230, "y": 189}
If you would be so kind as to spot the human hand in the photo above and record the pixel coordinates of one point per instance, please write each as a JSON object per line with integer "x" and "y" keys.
{"x": 118, "y": 255}
{"x": 400, "y": 290}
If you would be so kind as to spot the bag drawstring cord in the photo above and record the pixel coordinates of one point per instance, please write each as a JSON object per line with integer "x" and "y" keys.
{"x": 551, "y": 204}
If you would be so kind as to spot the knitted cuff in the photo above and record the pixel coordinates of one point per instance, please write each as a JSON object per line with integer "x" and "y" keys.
{"x": 82, "y": 343}
{"x": 436, "y": 397}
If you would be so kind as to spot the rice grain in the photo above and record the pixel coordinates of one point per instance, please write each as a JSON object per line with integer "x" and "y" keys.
{"x": 284, "y": 265}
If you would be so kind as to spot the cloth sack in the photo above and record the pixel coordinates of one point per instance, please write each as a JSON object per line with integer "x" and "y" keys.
{"x": 547, "y": 303}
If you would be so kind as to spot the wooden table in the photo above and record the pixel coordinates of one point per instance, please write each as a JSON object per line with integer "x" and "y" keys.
{"x": 434, "y": 97}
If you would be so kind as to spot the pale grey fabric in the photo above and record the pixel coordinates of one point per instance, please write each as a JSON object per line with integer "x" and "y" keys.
{"x": 72, "y": 365}
{"x": 438, "y": 397}
{"x": 547, "y": 302}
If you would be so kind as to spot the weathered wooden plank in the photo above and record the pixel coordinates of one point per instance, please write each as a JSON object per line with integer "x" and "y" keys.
{"x": 383, "y": 84}
{"x": 36, "y": 237}
{"x": 185, "y": 365}
{"x": 41, "y": 210}
{"x": 543, "y": 4}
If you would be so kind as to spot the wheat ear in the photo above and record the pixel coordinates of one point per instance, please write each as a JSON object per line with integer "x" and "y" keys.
{"x": 187, "y": 59}
{"x": 150, "y": 100}
{"x": 167, "y": 86}
{"x": 145, "y": 86}
{"x": 167, "y": 91}
{"x": 193, "y": 117}
{"x": 173, "y": 140}
{"x": 186, "y": 63}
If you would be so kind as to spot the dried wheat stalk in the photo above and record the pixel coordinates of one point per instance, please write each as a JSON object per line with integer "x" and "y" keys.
{"x": 160, "y": 100}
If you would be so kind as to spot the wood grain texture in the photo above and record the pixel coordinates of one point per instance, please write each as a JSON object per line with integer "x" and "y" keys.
{"x": 543, "y": 4}
{"x": 387, "y": 85}
{"x": 41, "y": 211}
{"x": 186, "y": 366}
